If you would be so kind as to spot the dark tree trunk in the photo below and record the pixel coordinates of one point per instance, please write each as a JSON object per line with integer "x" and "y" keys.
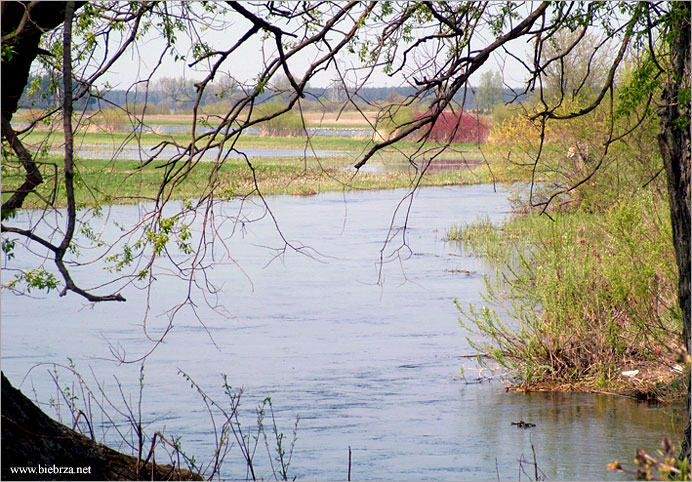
{"x": 23, "y": 24}
{"x": 674, "y": 143}
{"x": 28, "y": 21}
{"x": 32, "y": 439}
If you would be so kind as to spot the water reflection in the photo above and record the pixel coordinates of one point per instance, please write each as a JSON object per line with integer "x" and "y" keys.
{"x": 576, "y": 435}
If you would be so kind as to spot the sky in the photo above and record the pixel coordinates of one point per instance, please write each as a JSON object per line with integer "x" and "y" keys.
{"x": 245, "y": 65}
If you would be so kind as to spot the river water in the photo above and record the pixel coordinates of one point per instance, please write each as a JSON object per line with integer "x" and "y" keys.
{"x": 354, "y": 132}
{"x": 142, "y": 153}
{"x": 374, "y": 367}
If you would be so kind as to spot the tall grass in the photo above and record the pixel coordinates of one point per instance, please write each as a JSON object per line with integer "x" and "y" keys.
{"x": 582, "y": 298}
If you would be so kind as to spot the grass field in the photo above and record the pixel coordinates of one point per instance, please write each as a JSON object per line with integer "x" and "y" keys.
{"x": 121, "y": 182}
{"x": 356, "y": 145}
{"x": 101, "y": 179}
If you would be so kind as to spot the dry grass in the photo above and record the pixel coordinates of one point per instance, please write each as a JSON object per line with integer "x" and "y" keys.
{"x": 655, "y": 381}
{"x": 346, "y": 119}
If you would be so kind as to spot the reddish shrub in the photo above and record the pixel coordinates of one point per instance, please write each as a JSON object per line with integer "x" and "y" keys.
{"x": 458, "y": 127}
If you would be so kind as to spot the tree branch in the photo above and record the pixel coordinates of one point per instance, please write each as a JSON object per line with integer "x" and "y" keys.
{"x": 260, "y": 22}
{"x": 33, "y": 176}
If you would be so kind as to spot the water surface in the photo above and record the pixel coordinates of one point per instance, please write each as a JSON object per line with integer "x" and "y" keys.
{"x": 133, "y": 152}
{"x": 367, "y": 366}
{"x": 322, "y": 131}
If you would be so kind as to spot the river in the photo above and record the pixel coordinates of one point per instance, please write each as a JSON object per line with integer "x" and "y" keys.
{"x": 374, "y": 367}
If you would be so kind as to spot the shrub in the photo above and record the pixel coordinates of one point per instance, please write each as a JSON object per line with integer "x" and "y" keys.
{"x": 221, "y": 107}
{"x": 162, "y": 108}
{"x": 501, "y": 112}
{"x": 111, "y": 119}
{"x": 571, "y": 151}
{"x": 392, "y": 118}
{"x": 590, "y": 295}
{"x": 284, "y": 125}
{"x": 458, "y": 127}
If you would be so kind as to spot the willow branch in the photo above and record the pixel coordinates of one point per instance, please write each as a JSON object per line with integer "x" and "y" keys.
{"x": 69, "y": 167}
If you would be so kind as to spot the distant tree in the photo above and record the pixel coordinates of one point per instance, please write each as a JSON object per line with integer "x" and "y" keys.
{"x": 489, "y": 92}
{"x": 576, "y": 62}
{"x": 177, "y": 91}
{"x": 224, "y": 86}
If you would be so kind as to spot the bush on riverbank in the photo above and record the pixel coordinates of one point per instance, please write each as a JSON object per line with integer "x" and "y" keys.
{"x": 585, "y": 297}
{"x": 590, "y": 296}
{"x": 458, "y": 127}
{"x": 392, "y": 119}
{"x": 111, "y": 119}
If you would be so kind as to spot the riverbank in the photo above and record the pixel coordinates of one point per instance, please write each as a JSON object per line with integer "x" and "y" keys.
{"x": 110, "y": 170}
{"x": 127, "y": 182}
{"x": 39, "y": 448}
{"x": 583, "y": 300}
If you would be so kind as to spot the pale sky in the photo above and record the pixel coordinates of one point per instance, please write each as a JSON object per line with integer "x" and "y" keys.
{"x": 138, "y": 63}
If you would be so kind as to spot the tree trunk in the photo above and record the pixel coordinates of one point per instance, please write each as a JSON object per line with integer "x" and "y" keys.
{"x": 28, "y": 21}
{"x": 32, "y": 439}
{"x": 674, "y": 143}
{"x": 23, "y": 24}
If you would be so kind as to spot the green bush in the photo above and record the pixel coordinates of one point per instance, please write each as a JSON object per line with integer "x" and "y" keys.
{"x": 141, "y": 109}
{"x": 111, "y": 119}
{"x": 221, "y": 107}
{"x": 587, "y": 296}
{"x": 502, "y": 112}
{"x": 284, "y": 125}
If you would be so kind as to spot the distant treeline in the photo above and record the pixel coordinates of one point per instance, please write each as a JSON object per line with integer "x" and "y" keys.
{"x": 179, "y": 95}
